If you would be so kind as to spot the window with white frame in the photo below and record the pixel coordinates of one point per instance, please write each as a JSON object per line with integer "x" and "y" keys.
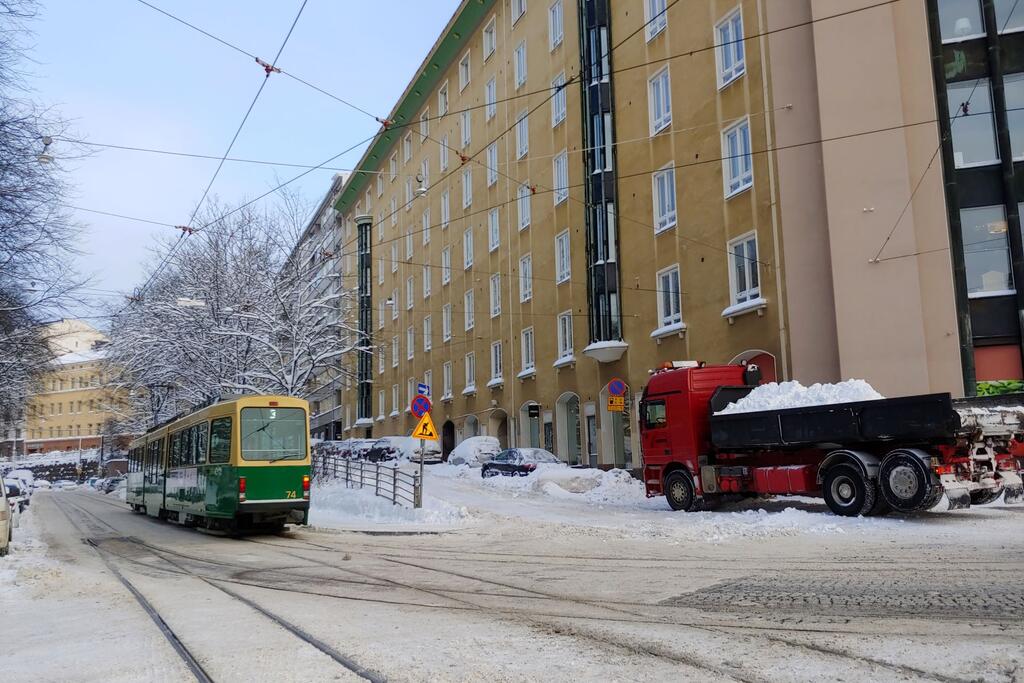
{"x": 464, "y": 71}
{"x": 493, "y": 230}
{"x": 664, "y": 198}
{"x": 524, "y": 195}
{"x": 737, "y": 161}
{"x": 469, "y": 314}
{"x": 558, "y": 100}
{"x": 394, "y": 399}
{"x": 555, "y": 29}
{"x": 446, "y": 380}
{"x": 467, "y": 187}
{"x": 525, "y": 278}
{"x": 380, "y": 226}
{"x": 490, "y": 99}
{"x": 428, "y": 340}
{"x": 729, "y": 48}
{"x": 670, "y": 310}
{"x": 563, "y": 261}
{"x": 446, "y": 265}
{"x": 393, "y": 207}
{"x": 408, "y": 244}
{"x": 410, "y": 342}
{"x": 446, "y": 322}
{"x": 394, "y": 351}
{"x": 560, "y": 175}
{"x": 565, "y": 335}
{"x": 490, "y": 38}
{"x": 428, "y": 378}
{"x": 522, "y": 135}
{"x": 519, "y": 64}
{"x": 394, "y": 257}
{"x": 444, "y": 152}
{"x": 744, "y": 278}
{"x": 380, "y": 271}
{"x": 408, "y": 194}
{"x": 492, "y": 164}
{"x": 496, "y": 362}
{"x": 380, "y": 184}
{"x": 394, "y": 303}
{"x": 381, "y": 360}
{"x": 442, "y": 99}
{"x": 445, "y": 210}
{"x": 424, "y": 124}
{"x": 410, "y": 391}
{"x": 599, "y": 63}
{"x": 425, "y": 225}
{"x": 425, "y": 173}
{"x": 426, "y": 280}
{"x": 410, "y": 290}
{"x": 393, "y": 166}
{"x": 381, "y": 407}
{"x": 518, "y": 10}
{"x": 407, "y": 148}
{"x": 529, "y": 361}
{"x": 381, "y": 312}
{"x": 466, "y": 128}
{"x": 656, "y": 17}
{"x": 602, "y": 151}
{"x": 495, "y": 295}
{"x": 659, "y": 101}
{"x": 972, "y": 121}
{"x": 470, "y": 370}
{"x": 467, "y": 248}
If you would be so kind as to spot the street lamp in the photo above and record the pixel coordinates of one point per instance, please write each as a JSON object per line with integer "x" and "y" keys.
{"x": 44, "y": 157}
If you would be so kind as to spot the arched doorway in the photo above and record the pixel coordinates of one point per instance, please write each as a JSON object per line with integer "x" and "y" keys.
{"x": 497, "y": 426}
{"x": 529, "y": 425}
{"x": 470, "y": 427}
{"x": 567, "y": 428}
{"x": 761, "y": 359}
{"x": 447, "y": 438}
{"x": 616, "y": 432}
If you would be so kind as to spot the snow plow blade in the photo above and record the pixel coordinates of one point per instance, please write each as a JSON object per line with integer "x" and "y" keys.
{"x": 958, "y": 498}
{"x": 1014, "y": 493}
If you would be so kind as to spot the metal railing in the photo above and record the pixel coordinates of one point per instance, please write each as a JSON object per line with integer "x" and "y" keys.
{"x": 387, "y": 481}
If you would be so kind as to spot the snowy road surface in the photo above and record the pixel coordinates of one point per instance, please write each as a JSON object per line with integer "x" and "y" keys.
{"x": 512, "y": 595}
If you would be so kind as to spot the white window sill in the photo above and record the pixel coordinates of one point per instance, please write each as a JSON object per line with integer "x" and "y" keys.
{"x": 723, "y": 83}
{"x": 758, "y": 304}
{"x": 960, "y": 39}
{"x": 496, "y": 382}
{"x": 660, "y": 29}
{"x": 364, "y": 422}
{"x": 470, "y": 390}
{"x": 447, "y": 398}
{"x": 495, "y": 314}
{"x": 446, "y": 340}
{"x": 659, "y": 127}
{"x": 991, "y": 293}
{"x": 739, "y": 190}
{"x": 658, "y": 231}
{"x": 668, "y": 330}
{"x": 527, "y": 373}
{"x": 380, "y": 418}
{"x": 408, "y": 411}
{"x": 564, "y": 361}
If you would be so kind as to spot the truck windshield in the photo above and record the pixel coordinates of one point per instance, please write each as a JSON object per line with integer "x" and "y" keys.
{"x": 273, "y": 434}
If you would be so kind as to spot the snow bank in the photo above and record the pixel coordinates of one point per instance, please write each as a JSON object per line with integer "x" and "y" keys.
{"x": 780, "y": 395}
{"x": 474, "y": 451}
{"x": 590, "y": 486}
{"x": 334, "y": 505}
{"x": 52, "y": 458}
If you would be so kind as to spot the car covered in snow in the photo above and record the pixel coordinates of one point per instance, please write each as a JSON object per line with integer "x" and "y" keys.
{"x": 41, "y": 484}
{"x": 518, "y": 462}
{"x": 25, "y": 475}
{"x": 110, "y": 484}
{"x": 403, "y": 448}
{"x": 64, "y": 484}
{"x": 474, "y": 451}
{"x": 16, "y": 495}
{"x": 6, "y": 522}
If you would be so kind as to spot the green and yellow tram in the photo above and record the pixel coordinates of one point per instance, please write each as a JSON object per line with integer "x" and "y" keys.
{"x": 233, "y": 465}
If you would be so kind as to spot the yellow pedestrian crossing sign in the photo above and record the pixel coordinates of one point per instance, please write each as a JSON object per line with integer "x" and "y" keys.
{"x": 425, "y": 429}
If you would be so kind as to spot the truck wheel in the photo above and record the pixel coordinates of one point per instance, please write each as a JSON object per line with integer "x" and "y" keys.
{"x": 906, "y": 483}
{"x": 847, "y": 493}
{"x": 679, "y": 491}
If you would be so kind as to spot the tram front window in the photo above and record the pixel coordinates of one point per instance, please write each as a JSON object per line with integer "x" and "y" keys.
{"x": 273, "y": 434}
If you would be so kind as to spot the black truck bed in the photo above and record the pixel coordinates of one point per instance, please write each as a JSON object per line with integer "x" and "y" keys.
{"x": 908, "y": 419}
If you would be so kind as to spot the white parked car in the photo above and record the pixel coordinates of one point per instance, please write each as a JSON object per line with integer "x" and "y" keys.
{"x": 41, "y": 484}
{"x": 475, "y": 451}
{"x": 16, "y": 493}
{"x": 6, "y": 522}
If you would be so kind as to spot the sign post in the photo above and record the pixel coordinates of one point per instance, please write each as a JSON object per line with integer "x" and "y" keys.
{"x": 616, "y": 396}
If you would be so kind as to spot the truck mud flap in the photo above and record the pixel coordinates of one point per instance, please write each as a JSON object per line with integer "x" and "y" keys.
{"x": 959, "y": 498}
{"x": 1013, "y": 486}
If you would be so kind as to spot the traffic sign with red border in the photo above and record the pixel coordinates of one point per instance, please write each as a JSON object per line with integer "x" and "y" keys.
{"x": 616, "y": 387}
{"x": 420, "y": 406}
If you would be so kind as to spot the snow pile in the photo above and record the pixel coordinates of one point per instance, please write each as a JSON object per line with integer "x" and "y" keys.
{"x": 781, "y": 395}
{"x": 52, "y": 458}
{"x": 590, "y": 486}
{"x": 335, "y": 505}
{"x": 474, "y": 451}
{"x": 722, "y": 527}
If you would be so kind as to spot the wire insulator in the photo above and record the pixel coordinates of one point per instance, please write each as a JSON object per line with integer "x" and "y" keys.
{"x": 269, "y": 68}
{"x": 386, "y": 123}
{"x": 185, "y": 229}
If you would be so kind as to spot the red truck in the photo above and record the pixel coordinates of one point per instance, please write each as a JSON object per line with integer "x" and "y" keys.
{"x": 863, "y": 458}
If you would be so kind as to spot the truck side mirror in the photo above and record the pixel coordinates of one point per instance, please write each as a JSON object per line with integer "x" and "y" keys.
{"x": 752, "y": 375}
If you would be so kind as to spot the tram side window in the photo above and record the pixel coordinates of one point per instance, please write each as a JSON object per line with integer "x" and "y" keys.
{"x": 199, "y": 439}
{"x": 220, "y": 440}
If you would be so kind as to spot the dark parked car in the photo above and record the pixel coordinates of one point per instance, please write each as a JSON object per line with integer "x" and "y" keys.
{"x": 518, "y": 462}
{"x": 110, "y": 485}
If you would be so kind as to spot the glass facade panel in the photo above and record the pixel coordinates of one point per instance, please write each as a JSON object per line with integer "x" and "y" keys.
{"x": 972, "y": 123}
{"x": 986, "y": 250}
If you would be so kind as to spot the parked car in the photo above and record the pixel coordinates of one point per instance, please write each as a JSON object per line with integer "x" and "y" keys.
{"x": 26, "y": 476}
{"x": 98, "y": 483}
{"x": 474, "y": 451}
{"x": 395, "y": 447}
{"x": 61, "y": 484}
{"x": 41, "y": 484}
{"x": 518, "y": 462}
{"x": 16, "y": 493}
{"x": 91, "y": 481}
{"x": 110, "y": 484}
{"x": 6, "y": 523}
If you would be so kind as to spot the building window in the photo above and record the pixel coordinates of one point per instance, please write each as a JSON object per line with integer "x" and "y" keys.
{"x": 380, "y": 271}
{"x": 490, "y": 38}
{"x": 466, "y": 128}
{"x": 493, "y": 230}
{"x": 467, "y": 187}
{"x": 669, "y": 307}
{"x": 496, "y": 362}
{"x": 381, "y": 407}
{"x": 490, "y": 99}
{"x": 408, "y": 194}
{"x": 1009, "y": 15}
{"x": 522, "y": 135}
{"x": 445, "y": 210}
{"x": 523, "y": 206}
{"x": 380, "y": 184}
{"x": 960, "y": 20}
{"x": 560, "y": 174}
{"x": 529, "y": 362}
{"x": 655, "y": 16}
{"x": 425, "y": 225}
{"x": 495, "y": 295}
{"x": 442, "y": 99}
{"x": 659, "y": 100}
{"x": 563, "y": 262}
{"x": 492, "y": 164}
{"x": 424, "y": 124}
{"x": 393, "y": 166}
{"x": 444, "y": 152}
{"x": 525, "y": 278}
{"x": 446, "y": 265}
{"x": 425, "y": 173}
{"x": 394, "y": 211}
{"x": 410, "y": 287}
{"x": 558, "y": 100}
{"x": 602, "y": 150}
{"x": 394, "y": 257}
{"x": 664, "y": 199}
{"x": 519, "y": 64}
{"x": 470, "y": 371}
{"x": 408, "y": 244}
{"x": 469, "y": 314}
{"x": 410, "y": 342}
{"x": 744, "y": 277}
{"x": 381, "y": 360}
{"x": 394, "y": 304}
{"x": 381, "y": 312}
{"x": 394, "y": 351}
{"x": 446, "y": 380}
{"x": 446, "y": 322}
{"x": 1013, "y": 86}
{"x": 972, "y": 123}
{"x": 407, "y": 148}
{"x": 426, "y": 280}
{"x": 729, "y": 48}
{"x": 599, "y": 65}
{"x": 737, "y": 161}
{"x": 464, "y": 72}
{"x": 467, "y": 249}
{"x": 555, "y": 29}
{"x": 518, "y": 10}
{"x": 410, "y": 390}
{"x": 427, "y": 332}
{"x": 565, "y": 335}
{"x": 986, "y": 250}
{"x": 394, "y": 399}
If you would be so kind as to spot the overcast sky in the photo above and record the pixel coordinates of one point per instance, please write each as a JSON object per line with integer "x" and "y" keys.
{"x": 125, "y": 74}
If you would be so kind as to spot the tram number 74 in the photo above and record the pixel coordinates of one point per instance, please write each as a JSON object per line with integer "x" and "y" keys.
{"x": 290, "y": 494}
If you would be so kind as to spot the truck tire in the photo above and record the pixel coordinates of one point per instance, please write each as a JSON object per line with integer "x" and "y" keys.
{"x": 847, "y": 493}
{"x": 907, "y": 483}
{"x": 680, "y": 492}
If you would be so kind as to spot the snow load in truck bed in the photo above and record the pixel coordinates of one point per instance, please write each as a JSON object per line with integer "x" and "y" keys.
{"x": 781, "y": 395}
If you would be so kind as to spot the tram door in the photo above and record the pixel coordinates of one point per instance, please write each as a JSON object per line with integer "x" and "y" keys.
{"x": 153, "y": 477}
